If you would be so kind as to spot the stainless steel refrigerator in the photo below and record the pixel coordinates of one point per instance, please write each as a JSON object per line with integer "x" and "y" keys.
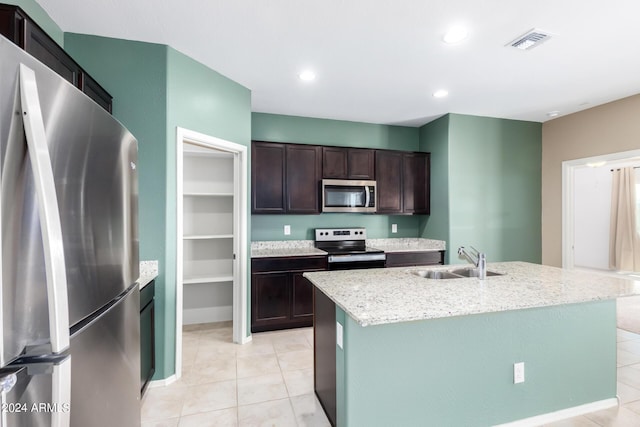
{"x": 69, "y": 301}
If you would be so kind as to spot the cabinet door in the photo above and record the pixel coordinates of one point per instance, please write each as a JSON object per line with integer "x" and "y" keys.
{"x": 304, "y": 171}
{"x": 271, "y": 304}
{"x": 361, "y": 164}
{"x": 302, "y": 299}
{"x": 43, "y": 48}
{"x": 94, "y": 91}
{"x": 147, "y": 335}
{"x": 267, "y": 177}
{"x": 147, "y": 343}
{"x": 415, "y": 191}
{"x": 389, "y": 181}
{"x": 11, "y": 24}
{"x": 334, "y": 163}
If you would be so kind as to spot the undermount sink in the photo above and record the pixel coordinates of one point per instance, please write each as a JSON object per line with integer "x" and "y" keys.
{"x": 434, "y": 274}
{"x": 452, "y": 274}
{"x": 472, "y": 272}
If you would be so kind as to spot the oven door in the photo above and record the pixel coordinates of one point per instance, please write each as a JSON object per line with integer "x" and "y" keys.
{"x": 348, "y": 196}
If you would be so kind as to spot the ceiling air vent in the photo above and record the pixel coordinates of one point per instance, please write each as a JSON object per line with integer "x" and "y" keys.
{"x": 530, "y": 39}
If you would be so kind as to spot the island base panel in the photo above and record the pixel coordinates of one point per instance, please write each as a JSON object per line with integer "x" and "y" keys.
{"x": 423, "y": 372}
{"x": 324, "y": 340}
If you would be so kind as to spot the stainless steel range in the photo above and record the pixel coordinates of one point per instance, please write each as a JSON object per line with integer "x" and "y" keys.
{"x": 347, "y": 248}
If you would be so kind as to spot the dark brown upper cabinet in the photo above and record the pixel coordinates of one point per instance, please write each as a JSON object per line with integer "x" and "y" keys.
{"x": 402, "y": 182}
{"x": 415, "y": 183}
{"x": 268, "y": 178}
{"x": 304, "y": 172}
{"x": 348, "y": 163}
{"x": 389, "y": 181}
{"x": 285, "y": 178}
{"x": 16, "y": 25}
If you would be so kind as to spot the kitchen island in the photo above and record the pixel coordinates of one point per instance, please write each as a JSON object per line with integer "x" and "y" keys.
{"x": 417, "y": 351}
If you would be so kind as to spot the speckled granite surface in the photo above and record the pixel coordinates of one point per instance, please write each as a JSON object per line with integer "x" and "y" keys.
{"x": 284, "y": 248}
{"x": 407, "y": 244}
{"x": 379, "y": 296}
{"x": 148, "y": 272}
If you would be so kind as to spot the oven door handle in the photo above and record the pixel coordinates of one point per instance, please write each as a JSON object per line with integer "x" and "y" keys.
{"x": 356, "y": 258}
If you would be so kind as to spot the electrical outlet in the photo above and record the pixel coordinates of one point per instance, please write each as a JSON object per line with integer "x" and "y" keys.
{"x": 394, "y": 228}
{"x": 339, "y": 334}
{"x": 518, "y": 373}
{"x": 287, "y": 230}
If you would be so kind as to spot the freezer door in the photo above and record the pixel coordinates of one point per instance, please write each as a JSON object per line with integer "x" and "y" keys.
{"x": 36, "y": 395}
{"x": 94, "y": 167}
{"x": 105, "y": 368}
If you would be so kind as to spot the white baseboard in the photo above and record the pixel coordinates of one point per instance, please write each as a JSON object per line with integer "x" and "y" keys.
{"x": 163, "y": 382}
{"x": 563, "y": 414}
{"x": 191, "y": 316}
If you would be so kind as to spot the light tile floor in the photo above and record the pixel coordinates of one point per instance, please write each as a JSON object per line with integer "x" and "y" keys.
{"x": 267, "y": 382}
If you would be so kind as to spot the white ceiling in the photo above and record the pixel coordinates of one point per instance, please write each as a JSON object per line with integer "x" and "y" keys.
{"x": 379, "y": 61}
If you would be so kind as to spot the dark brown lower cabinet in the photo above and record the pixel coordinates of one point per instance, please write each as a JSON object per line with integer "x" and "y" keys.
{"x": 408, "y": 259}
{"x": 281, "y": 297}
{"x": 147, "y": 335}
{"x": 324, "y": 357}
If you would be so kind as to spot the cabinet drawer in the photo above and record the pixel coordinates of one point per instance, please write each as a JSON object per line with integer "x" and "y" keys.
{"x": 146, "y": 294}
{"x": 406, "y": 259}
{"x": 270, "y": 264}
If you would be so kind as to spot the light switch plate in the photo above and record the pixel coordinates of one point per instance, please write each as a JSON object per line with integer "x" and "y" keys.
{"x": 394, "y": 228}
{"x": 287, "y": 230}
{"x": 339, "y": 334}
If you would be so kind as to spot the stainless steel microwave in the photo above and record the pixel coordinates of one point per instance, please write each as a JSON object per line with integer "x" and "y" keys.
{"x": 345, "y": 195}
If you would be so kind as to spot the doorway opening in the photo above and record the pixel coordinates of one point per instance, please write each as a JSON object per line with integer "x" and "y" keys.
{"x": 211, "y": 238}
{"x": 586, "y": 206}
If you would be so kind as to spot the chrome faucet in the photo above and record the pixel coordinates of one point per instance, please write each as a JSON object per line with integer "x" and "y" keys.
{"x": 476, "y": 258}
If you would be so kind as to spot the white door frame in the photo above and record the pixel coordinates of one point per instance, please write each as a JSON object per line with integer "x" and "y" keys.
{"x": 568, "y": 208}
{"x": 239, "y": 231}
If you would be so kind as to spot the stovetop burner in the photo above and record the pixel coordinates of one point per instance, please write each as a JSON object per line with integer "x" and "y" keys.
{"x": 344, "y": 241}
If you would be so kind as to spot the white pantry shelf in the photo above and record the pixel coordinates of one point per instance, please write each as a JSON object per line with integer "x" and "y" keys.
{"x": 207, "y": 279}
{"x": 201, "y": 194}
{"x": 207, "y": 236}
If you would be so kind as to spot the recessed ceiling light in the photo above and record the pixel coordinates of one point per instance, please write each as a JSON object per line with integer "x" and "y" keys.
{"x": 555, "y": 113}
{"x": 307, "y": 76}
{"x": 440, "y": 93}
{"x": 455, "y": 35}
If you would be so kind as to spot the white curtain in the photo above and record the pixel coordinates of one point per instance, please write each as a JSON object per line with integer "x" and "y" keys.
{"x": 624, "y": 243}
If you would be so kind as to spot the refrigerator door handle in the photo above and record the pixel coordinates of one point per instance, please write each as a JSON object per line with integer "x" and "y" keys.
{"x": 47, "y": 209}
{"x": 61, "y": 394}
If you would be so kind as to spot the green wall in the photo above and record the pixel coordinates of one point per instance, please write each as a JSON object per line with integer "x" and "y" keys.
{"x": 41, "y": 17}
{"x": 202, "y": 100}
{"x": 305, "y": 130}
{"x": 422, "y": 373}
{"x": 155, "y": 89}
{"x": 434, "y": 138}
{"x": 485, "y": 186}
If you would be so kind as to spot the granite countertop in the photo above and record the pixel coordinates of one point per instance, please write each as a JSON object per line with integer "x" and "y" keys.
{"x": 407, "y": 244}
{"x": 148, "y": 272}
{"x": 380, "y": 296}
{"x": 284, "y": 248}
